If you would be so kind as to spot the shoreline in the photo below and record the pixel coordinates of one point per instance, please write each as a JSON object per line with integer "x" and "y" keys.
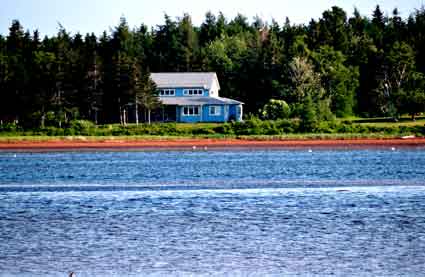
{"x": 205, "y": 144}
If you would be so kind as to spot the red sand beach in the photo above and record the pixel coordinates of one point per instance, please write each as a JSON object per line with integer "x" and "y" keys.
{"x": 207, "y": 144}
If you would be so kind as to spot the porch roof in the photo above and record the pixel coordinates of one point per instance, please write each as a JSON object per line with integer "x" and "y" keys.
{"x": 197, "y": 101}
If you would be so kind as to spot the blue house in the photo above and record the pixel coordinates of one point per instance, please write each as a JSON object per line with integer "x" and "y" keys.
{"x": 193, "y": 97}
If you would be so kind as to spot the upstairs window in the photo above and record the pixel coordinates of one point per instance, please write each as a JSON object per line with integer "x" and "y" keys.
{"x": 215, "y": 110}
{"x": 190, "y": 110}
{"x": 167, "y": 92}
{"x": 193, "y": 92}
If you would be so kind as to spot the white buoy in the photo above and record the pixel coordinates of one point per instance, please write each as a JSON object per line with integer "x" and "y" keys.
{"x": 14, "y": 155}
{"x": 392, "y": 148}
{"x": 194, "y": 147}
{"x": 310, "y": 151}
{"x": 205, "y": 148}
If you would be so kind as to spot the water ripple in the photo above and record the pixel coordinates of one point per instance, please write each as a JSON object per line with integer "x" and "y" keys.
{"x": 238, "y": 213}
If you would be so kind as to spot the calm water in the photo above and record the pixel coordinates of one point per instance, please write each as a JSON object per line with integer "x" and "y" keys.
{"x": 233, "y": 213}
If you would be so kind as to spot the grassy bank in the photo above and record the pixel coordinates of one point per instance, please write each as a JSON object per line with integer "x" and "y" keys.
{"x": 249, "y": 129}
{"x": 307, "y": 136}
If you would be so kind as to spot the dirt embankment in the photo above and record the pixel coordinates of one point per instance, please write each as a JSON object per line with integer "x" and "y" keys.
{"x": 203, "y": 144}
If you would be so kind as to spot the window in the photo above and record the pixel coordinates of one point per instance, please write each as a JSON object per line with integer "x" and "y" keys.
{"x": 215, "y": 110}
{"x": 193, "y": 92}
{"x": 167, "y": 92}
{"x": 190, "y": 110}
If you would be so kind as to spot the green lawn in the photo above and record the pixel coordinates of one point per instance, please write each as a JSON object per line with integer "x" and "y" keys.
{"x": 385, "y": 121}
{"x": 420, "y": 122}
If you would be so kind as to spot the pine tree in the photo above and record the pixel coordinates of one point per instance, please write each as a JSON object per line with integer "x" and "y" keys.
{"x": 208, "y": 31}
{"x": 17, "y": 73}
{"x": 188, "y": 43}
{"x": 308, "y": 115}
{"x": 147, "y": 94}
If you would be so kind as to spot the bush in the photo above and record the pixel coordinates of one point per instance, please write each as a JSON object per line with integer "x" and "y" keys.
{"x": 203, "y": 131}
{"x": 53, "y": 131}
{"x": 287, "y": 125}
{"x": 362, "y": 129}
{"x": 252, "y": 126}
{"x": 418, "y": 130}
{"x": 224, "y": 129}
{"x": 276, "y": 109}
{"x": 326, "y": 127}
{"x": 81, "y": 127}
{"x": 270, "y": 128}
{"x": 308, "y": 116}
{"x": 70, "y": 132}
{"x": 10, "y": 127}
{"x": 169, "y": 129}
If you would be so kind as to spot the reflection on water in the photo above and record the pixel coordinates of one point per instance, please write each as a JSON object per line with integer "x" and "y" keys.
{"x": 221, "y": 213}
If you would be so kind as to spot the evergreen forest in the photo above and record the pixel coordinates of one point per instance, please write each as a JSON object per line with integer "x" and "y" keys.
{"x": 340, "y": 65}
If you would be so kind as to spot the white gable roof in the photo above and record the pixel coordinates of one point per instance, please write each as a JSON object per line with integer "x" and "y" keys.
{"x": 205, "y": 80}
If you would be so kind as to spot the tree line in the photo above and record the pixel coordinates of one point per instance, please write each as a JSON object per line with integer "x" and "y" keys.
{"x": 338, "y": 65}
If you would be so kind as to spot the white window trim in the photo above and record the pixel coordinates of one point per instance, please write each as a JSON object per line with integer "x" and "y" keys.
{"x": 217, "y": 109}
{"x": 191, "y": 107}
{"x": 199, "y": 92}
{"x": 172, "y": 92}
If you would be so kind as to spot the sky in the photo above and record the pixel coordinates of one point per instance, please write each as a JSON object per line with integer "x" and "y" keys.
{"x": 86, "y": 16}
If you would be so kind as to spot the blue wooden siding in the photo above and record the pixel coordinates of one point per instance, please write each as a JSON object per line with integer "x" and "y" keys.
{"x": 227, "y": 113}
{"x": 235, "y": 112}
{"x": 187, "y": 118}
{"x": 221, "y": 117}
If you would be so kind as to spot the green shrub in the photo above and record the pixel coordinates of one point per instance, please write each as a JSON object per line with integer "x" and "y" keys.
{"x": 10, "y": 127}
{"x": 224, "y": 129}
{"x": 203, "y": 131}
{"x": 53, "y": 131}
{"x": 418, "y": 130}
{"x": 326, "y": 127}
{"x": 275, "y": 109}
{"x": 82, "y": 126}
{"x": 70, "y": 132}
{"x": 362, "y": 129}
{"x": 287, "y": 126}
{"x": 270, "y": 128}
{"x": 119, "y": 131}
{"x": 309, "y": 118}
{"x": 252, "y": 126}
{"x": 344, "y": 128}
{"x": 169, "y": 129}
